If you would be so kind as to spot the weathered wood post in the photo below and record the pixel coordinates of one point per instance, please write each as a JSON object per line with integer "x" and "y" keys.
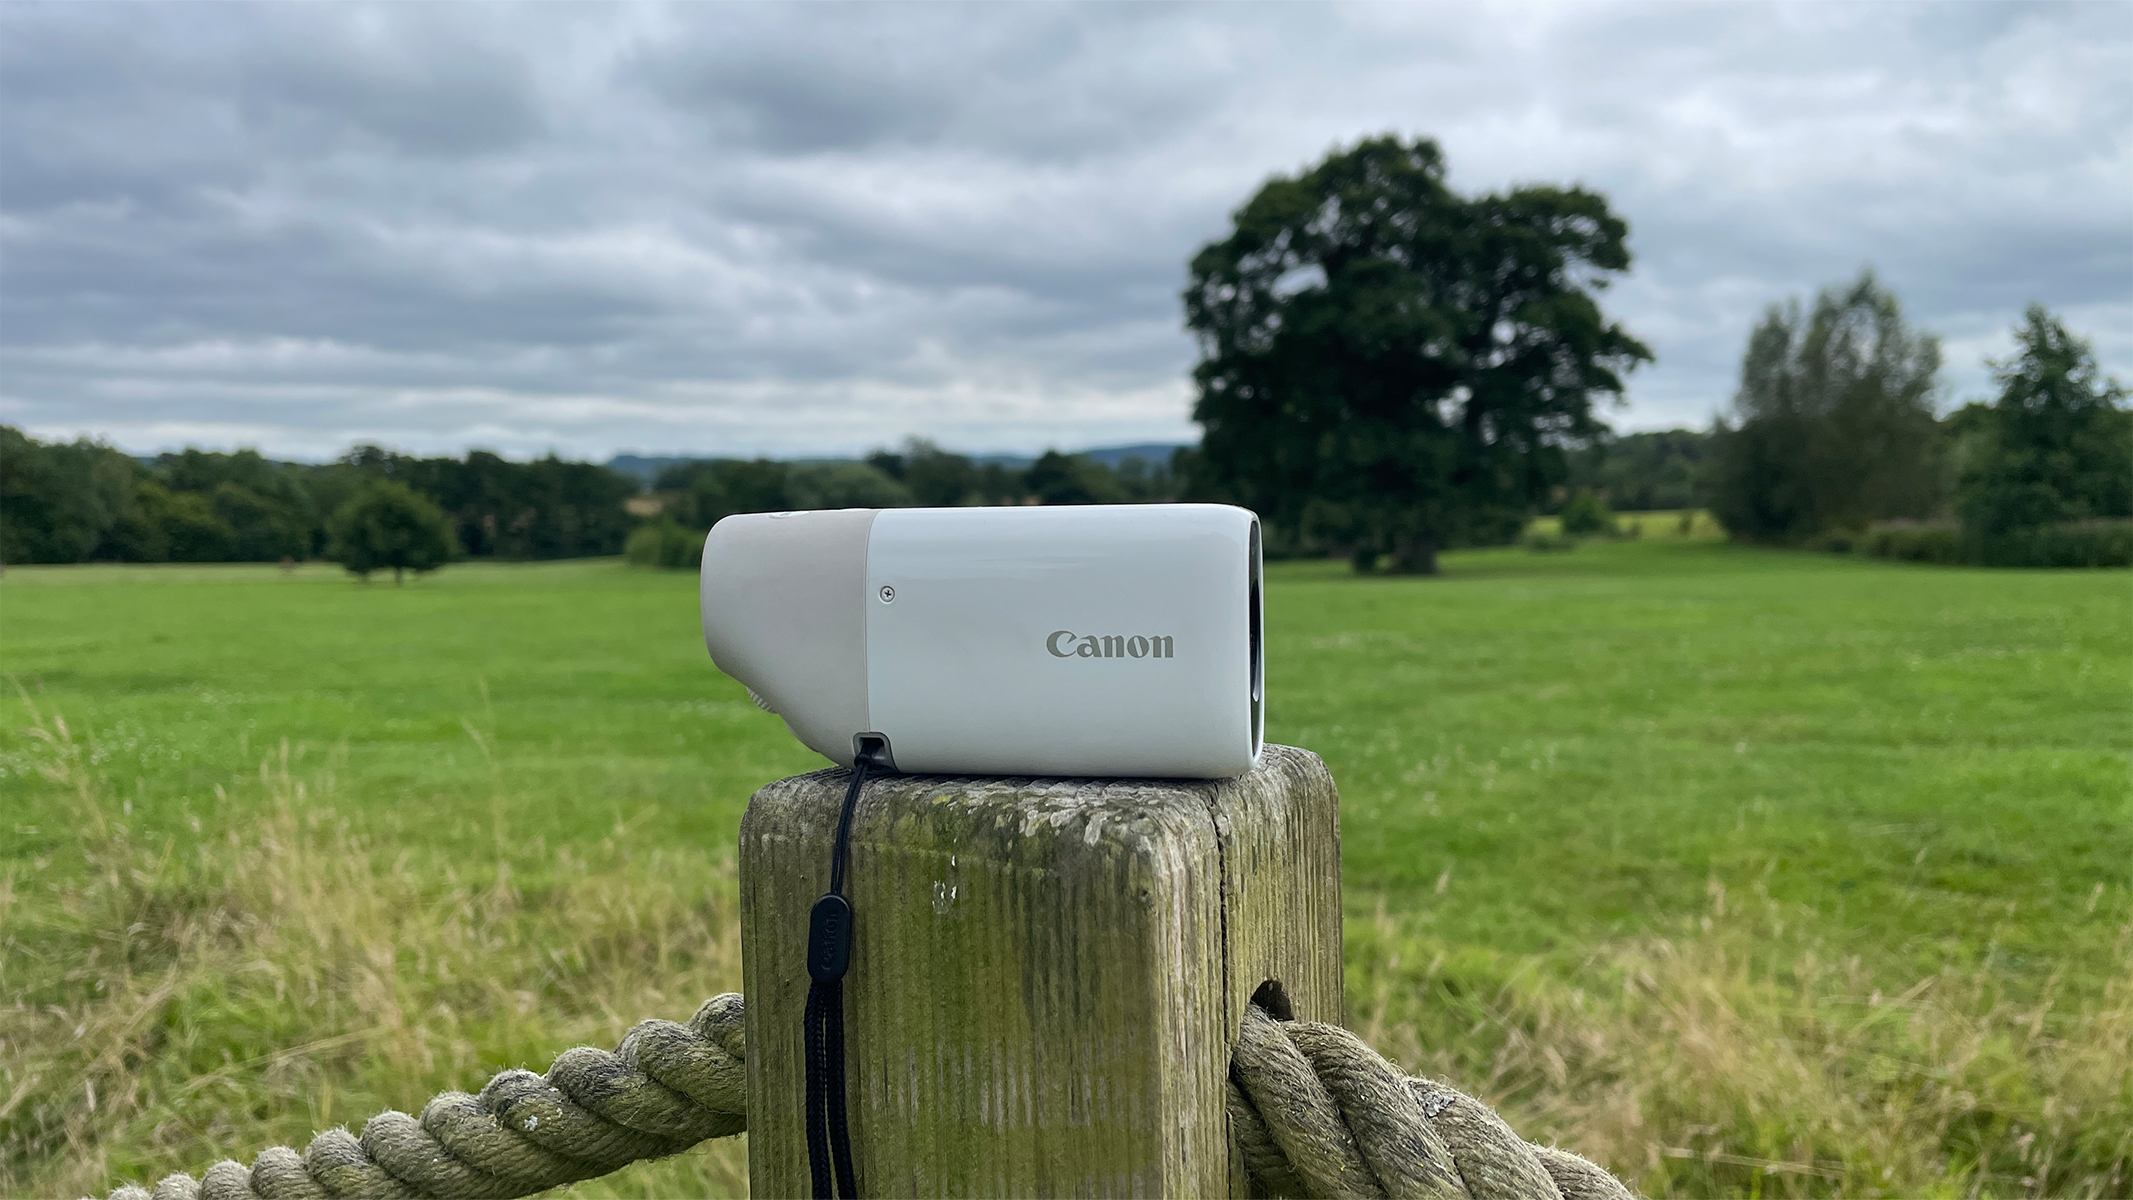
{"x": 1047, "y": 974}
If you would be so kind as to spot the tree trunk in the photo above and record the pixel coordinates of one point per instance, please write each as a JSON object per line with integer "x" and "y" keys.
{"x": 396, "y": 577}
{"x": 1415, "y": 555}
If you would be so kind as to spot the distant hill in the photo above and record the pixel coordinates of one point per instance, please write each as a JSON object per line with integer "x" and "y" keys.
{"x": 1155, "y": 454}
{"x": 645, "y": 468}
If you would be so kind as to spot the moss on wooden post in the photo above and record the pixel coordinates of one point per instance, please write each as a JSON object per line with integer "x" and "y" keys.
{"x": 1047, "y": 974}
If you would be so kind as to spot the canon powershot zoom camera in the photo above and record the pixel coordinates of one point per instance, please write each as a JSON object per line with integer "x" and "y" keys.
{"x": 1107, "y": 640}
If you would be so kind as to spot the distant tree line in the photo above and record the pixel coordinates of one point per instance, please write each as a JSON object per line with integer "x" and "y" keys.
{"x": 84, "y": 501}
{"x": 1639, "y": 472}
{"x": 692, "y": 497}
{"x": 373, "y": 509}
{"x": 919, "y": 474}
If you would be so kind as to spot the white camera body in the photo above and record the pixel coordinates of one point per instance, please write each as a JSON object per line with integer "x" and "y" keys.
{"x": 1106, "y": 640}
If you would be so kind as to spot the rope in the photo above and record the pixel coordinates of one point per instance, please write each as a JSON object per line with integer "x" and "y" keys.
{"x": 1316, "y": 1113}
{"x": 664, "y": 1089}
{"x": 1319, "y": 1114}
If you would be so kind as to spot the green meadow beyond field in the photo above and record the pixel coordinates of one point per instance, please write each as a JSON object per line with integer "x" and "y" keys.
{"x": 1743, "y": 872}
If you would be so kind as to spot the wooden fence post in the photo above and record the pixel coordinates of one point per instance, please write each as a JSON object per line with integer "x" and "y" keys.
{"x": 1047, "y": 974}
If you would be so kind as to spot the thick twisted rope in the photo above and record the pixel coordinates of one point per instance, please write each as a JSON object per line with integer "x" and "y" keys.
{"x": 664, "y": 1089}
{"x": 1316, "y": 1112}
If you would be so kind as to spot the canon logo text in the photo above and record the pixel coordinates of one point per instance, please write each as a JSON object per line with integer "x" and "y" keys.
{"x": 1065, "y": 643}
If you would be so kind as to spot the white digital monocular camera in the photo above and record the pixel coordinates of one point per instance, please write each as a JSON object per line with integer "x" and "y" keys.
{"x": 1107, "y": 640}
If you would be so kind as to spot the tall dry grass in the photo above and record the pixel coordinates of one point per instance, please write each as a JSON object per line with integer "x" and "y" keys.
{"x": 167, "y": 1003}
{"x": 1734, "y": 1061}
{"x": 164, "y": 1003}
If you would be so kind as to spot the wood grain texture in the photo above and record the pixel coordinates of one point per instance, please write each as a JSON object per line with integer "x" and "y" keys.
{"x": 1047, "y": 975}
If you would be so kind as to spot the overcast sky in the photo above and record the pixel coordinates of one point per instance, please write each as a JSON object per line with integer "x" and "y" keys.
{"x": 814, "y": 229}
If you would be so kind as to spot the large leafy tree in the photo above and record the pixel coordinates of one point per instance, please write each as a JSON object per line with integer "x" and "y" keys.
{"x": 1833, "y": 424}
{"x": 2058, "y": 443}
{"x": 1390, "y": 366}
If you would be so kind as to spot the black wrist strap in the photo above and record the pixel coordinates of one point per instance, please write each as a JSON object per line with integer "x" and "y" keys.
{"x": 829, "y": 956}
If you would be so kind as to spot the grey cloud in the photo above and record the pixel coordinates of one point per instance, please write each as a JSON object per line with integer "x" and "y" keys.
{"x": 420, "y": 92}
{"x": 807, "y": 228}
{"x": 1029, "y": 84}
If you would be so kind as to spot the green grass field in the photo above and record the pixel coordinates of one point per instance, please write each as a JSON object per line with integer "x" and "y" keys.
{"x": 1744, "y": 872}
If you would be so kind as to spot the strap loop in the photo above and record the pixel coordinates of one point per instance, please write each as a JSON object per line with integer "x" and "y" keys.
{"x": 829, "y": 956}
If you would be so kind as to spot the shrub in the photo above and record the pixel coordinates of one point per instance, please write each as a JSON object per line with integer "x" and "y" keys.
{"x": 1914, "y": 541}
{"x": 1586, "y": 515}
{"x": 2092, "y": 543}
{"x": 2101, "y": 542}
{"x": 665, "y": 543}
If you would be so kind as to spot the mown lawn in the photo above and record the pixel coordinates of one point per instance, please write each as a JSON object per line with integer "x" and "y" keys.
{"x": 1746, "y": 872}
